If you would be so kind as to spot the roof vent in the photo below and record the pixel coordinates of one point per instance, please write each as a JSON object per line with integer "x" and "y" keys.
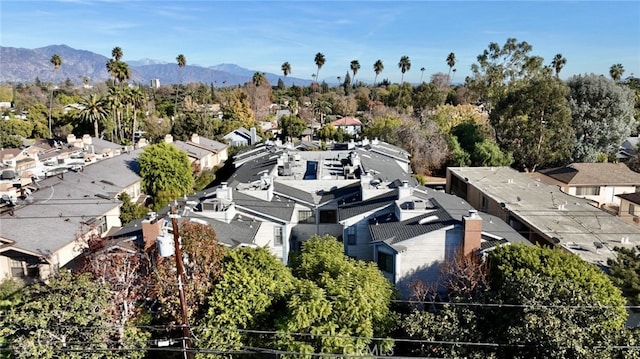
{"x": 427, "y": 220}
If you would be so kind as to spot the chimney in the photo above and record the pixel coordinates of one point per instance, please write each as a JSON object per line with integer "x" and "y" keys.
{"x": 151, "y": 229}
{"x": 254, "y": 136}
{"x": 472, "y": 224}
{"x": 168, "y": 138}
{"x": 404, "y": 190}
{"x": 86, "y": 139}
{"x": 195, "y": 138}
{"x": 224, "y": 192}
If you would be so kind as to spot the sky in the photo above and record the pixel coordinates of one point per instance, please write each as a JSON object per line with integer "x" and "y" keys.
{"x": 262, "y": 35}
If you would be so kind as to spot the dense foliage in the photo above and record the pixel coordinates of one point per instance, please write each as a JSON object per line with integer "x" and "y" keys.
{"x": 166, "y": 173}
{"x": 326, "y": 302}
{"x": 540, "y": 302}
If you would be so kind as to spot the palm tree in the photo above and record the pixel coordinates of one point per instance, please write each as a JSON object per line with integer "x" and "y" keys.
{"x": 404, "y": 65}
{"x": 182, "y": 62}
{"x": 322, "y": 108}
{"x": 421, "y": 73}
{"x": 451, "y": 62}
{"x": 286, "y": 70}
{"x": 114, "y": 102}
{"x": 558, "y": 63}
{"x": 136, "y": 99}
{"x": 339, "y": 79}
{"x": 94, "y": 110}
{"x": 56, "y": 61}
{"x": 258, "y": 79}
{"x": 616, "y": 71}
{"x": 122, "y": 72}
{"x": 377, "y": 68}
{"x": 355, "y": 66}
{"x": 319, "y": 60}
{"x": 116, "y": 53}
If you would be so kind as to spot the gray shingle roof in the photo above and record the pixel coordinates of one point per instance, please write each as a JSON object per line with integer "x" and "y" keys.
{"x": 392, "y": 232}
{"x": 349, "y": 210}
{"x": 594, "y": 174}
{"x": 279, "y": 208}
{"x": 234, "y": 233}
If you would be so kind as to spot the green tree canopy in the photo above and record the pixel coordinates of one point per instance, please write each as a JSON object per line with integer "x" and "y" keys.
{"x": 66, "y": 318}
{"x": 291, "y": 127}
{"x": 602, "y": 115}
{"x": 335, "y": 302}
{"x": 166, "y": 173}
{"x": 541, "y": 302}
{"x": 533, "y": 121}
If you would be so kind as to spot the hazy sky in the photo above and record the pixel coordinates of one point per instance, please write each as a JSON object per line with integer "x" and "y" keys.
{"x": 261, "y": 35}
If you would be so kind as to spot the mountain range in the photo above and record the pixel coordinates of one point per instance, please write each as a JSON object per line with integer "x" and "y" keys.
{"x": 25, "y": 65}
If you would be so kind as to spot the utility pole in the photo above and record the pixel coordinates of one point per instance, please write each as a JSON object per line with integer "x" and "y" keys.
{"x": 186, "y": 335}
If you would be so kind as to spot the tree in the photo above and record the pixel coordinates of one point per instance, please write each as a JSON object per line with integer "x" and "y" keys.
{"x": 602, "y": 115}
{"x": 65, "y": 318}
{"x": 616, "y": 71}
{"x": 554, "y": 305}
{"x": 321, "y": 108}
{"x": 182, "y": 62}
{"x": 136, "y": 98}
{"x": 94, "y": 111}
{"x": 286, "y": 69}
{"x": 486, "y": 153}
{"x": 355, "y": 66}
{"x": 56, "y": 61}
{"x": 130, "y": 211}
{"x": 319, "y": 61}
{"x": 338, "y": 304}
{"x": 451, "y": 62}
{"x": 404, "y": 65}
{"x": 421, "y": 73}
{"x": 625, "y": 272}
{"x": 377, "y": 68}
{"x": 498, "y": 68}
{"x": 202, "y": 257}
{"x": 291, "y": 127}
{"x": 258, "y": 79}
{"x": 166, "y": 173}
{"x": 116, "y": 53}
{"x": 558, "y": 63}
{"x": 533, "y": 121}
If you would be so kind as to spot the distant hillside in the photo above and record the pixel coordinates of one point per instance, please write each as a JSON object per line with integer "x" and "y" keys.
{"x": 25, "y": 65}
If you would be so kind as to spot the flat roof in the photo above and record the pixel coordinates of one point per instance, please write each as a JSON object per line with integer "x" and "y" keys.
{"x": 572, "y": 222}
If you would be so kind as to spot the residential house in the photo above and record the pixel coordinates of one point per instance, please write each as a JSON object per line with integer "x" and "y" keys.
{"x": 242, "y": 137}
{"x": 350, "y": 125}
{"x": 204, "y": 154}
{"x": 630, "y": 207}
{"x": 598, "y": 182}
{"x": 543, "y": 213}
{"x": 409, "y": 231}
{"x": 48, "y": 229}
{"x": 628, "y": 148}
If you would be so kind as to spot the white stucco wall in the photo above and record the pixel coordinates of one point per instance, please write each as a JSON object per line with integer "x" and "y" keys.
{"x": 607, "y": 193}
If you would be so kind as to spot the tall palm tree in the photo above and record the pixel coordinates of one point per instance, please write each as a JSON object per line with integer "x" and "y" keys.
{"x": 94, "y": 110}
{"x": 322, "y": 108}
{"x": 258, "y": 79}
{"x": 114, "y": 101}
{"x": 122, "y": 72}
{"x": 286, "y": 70}
{"x": 421, "y": 73}
{"x": 355, "y": 66}
{"x": 616, "y": 71}
{"x": 116, "y": 53}
{"x": 451, "y": 62}
{"x": 339, "y": 79}
{"x": 182, "y": 62}
{"x": 319, "y": 60}
{"x": 404, "y": 65}
{"x": 56, "y": 61}
{"x": 377, "y": 68}
{"x": 136, "y": 99}
{"x": 558, "y": 63}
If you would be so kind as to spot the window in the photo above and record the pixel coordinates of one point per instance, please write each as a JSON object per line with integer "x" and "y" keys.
{"x": 587, "y": 191}
{"x": 17, "y": 269}
{"x": 277, "y": 236}
{"x": 103, "y": 224}
{"x": 385, "y": 262}
{"x": 634, "y": 210}
{"x": 329, "y": 216}
{"x": 351, "y": 235}
{"x": 485, "y": 204}
{"x": 305, "y": 216}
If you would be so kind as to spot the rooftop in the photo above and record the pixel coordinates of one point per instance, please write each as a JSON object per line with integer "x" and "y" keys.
{"x": 571, "y": 222}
